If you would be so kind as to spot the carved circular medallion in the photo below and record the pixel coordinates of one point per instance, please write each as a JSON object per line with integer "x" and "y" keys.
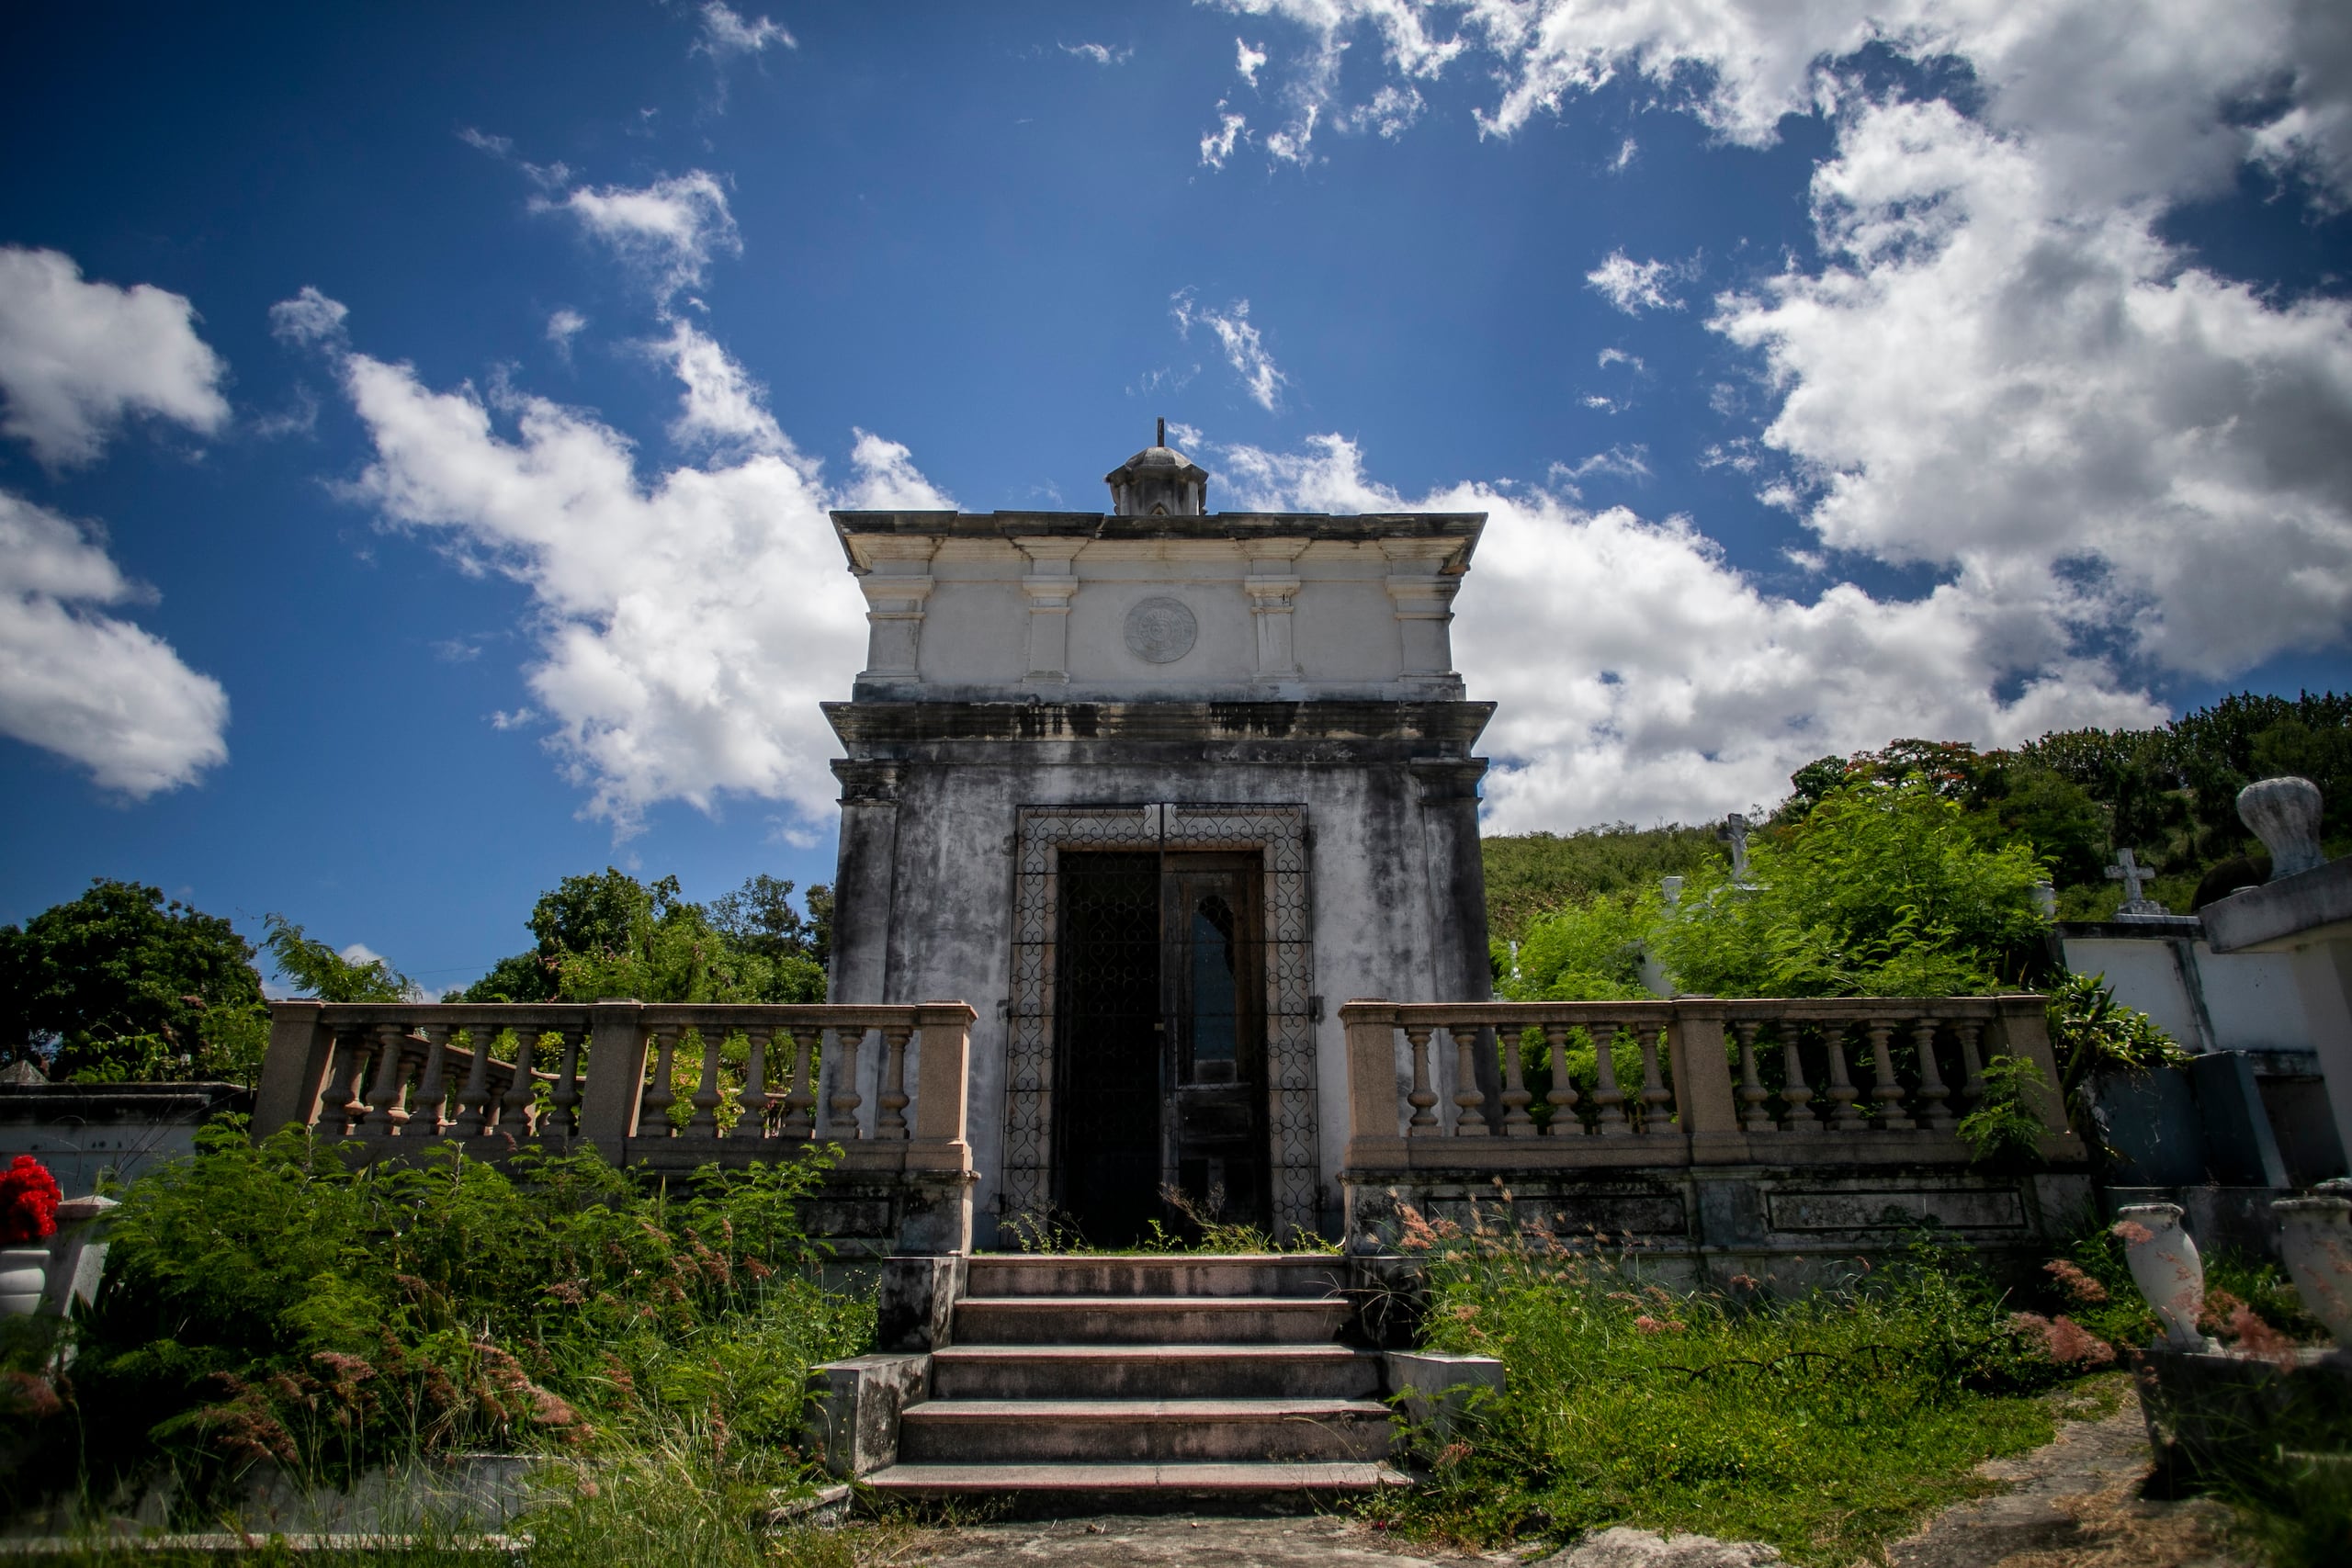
{"x": 1160, "y": 631}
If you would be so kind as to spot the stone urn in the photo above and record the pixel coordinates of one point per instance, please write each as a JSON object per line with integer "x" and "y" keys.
{"x": 2315, "y": 1236}
{"x": 2284, "y": 814}
{"x": 2165, "y": 1266}
{"x": 23, "y": 1271}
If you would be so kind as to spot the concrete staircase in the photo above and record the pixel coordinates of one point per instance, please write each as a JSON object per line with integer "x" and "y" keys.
{"x": 1123, "y": 1382}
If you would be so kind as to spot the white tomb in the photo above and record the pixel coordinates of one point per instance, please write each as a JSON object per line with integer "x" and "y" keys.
{"x": 1156, "y": 789}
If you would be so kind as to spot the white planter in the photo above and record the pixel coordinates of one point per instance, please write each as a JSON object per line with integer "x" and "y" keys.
{"x": 2165, "y": 1266}
{"x": 2315, "y": 1234}
{"x": 23, "y": 1271}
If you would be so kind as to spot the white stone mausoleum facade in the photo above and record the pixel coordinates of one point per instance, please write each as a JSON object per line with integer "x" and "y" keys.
{"x": 1156, "y": 789}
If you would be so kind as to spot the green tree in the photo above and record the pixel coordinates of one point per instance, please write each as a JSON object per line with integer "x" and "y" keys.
{"x": 1882, "y": 890}
{"x": 1584, "y": 951}
{"x": 610, "y": 935}
{"x": 119, "y": 984}
{"x": 320, "y": 971}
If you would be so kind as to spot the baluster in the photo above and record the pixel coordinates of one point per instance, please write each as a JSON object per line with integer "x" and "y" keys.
{"x": 1469, "y": 1102}
{"x": 1657, "y": 1100}
{"x": 1886, "y": 1090}
{"x": 1562, "y": 1097}
{"x": 565, "y": 1102}
{"x": 1606, "y": 1095}
{"x": 1424, "y": 1122}
{"x": 846, "y": 1099}
{"x": 892, "y": 1122}
{"x": 424, "y": 1118}
{"x": 1843, "y": 1117}
{"x": 1932, "y": 1094}
{"x": 343, "y": 1108}
{"x": 384, "y": 1114}
{"x": 704, "y": 1123}
{"x": 752, "y": 1105}
{"x": 1517, "y": 1122}
{"x": 1796, "y": 1094}
{"x": 1753, "y": 1117}
{"x": 653, "y": 1105}
{"x": 473, "y": 1100}
{"x": 803, "y": 1098}
{"x": 1971, "y": 1089}
{"x": 522, "y": 1089}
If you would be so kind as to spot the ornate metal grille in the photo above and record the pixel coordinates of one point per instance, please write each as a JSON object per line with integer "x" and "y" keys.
{"x": 1277, "y": 834}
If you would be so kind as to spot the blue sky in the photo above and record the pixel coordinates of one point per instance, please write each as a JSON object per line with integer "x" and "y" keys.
{"x": 419, "y": 421}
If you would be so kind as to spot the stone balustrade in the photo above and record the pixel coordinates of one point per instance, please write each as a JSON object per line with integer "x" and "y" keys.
{"x": 1727, "y": 1139}
{"x": 887, "y": 1085}
{"x": 1692, "y": 1080}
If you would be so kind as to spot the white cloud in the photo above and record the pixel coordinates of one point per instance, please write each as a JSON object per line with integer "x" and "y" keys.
{"x": 721, "y": 409}
{"x": 77, "y": 358}
{"x": 688, "y": 621}
{"x": 725, "y": 33}
{"x": 1634, "y": 287}
{"x": 669, "y": 231}
{"x": 564, "y": 324}
{"x": 1391, "y": 112}
{"x": 1216, "y": 146}
{"x": 1609, "y": 356}
{"x": 1100, "y": 53}
{"x": 1248, "y": 61}
{"x": 94, "y": 690}
{"x": 1986, "y": 375}
{"x": 309, "y": 318}
{"x": 1245, "y": 350}
{"x": 1627, "y": 151}
{"x": 2001, "y": 368}
{"x": 1668, "y": 685}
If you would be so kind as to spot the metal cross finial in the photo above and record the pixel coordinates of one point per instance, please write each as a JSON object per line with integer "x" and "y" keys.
{"x": 1161, "y": 439}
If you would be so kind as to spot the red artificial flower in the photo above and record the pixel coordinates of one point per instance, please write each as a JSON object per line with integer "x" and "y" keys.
{"x": 28, "y": 1197}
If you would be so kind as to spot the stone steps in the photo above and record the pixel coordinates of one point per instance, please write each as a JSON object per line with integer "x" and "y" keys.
{"x": 1154, "y": 1372}
{"x": 1178, "y": 1275}
{"x": 1130, "y": 1488}
{"x": 1158, "y": 1431}
{"x": 1148, "y": 1320}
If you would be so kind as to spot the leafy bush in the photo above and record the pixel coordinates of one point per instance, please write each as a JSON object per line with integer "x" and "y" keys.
{"x": 1590, "y": 950}
{"x": 1825, "y": 1423}
{"x": 1880, "y": 890}
{"x": 272, "y": 1304}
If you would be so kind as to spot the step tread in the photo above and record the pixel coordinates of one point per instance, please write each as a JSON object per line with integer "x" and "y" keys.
{"x": 1302, "y": 1350}
{"x": 1152, "y": 1303}
{"x": 936, "y": 1410}
{"x": 1195, "y": 1475}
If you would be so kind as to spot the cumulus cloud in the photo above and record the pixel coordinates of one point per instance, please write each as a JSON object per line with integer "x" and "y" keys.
{"x": 94, "y": 689}
{"x": 1986, "y": 375}
{"x": 307, "y": 320}
{"x": 1245, "y": 350}
{"x": 668, "y": 231}
{"x": 686, "y": 621}
{"x": 77, "y": 358}
{"x": 1634, "y": 287}
{"x": 2120, "y": 465}
{"x": 1670, "y": 685}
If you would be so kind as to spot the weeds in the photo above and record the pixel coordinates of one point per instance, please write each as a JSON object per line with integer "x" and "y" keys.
{"x": 1825, "y": 1424}
{"x": 1052, "y": 1230}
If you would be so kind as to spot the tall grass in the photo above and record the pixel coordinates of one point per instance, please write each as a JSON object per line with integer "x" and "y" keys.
{"x": 1825, "y": 1423}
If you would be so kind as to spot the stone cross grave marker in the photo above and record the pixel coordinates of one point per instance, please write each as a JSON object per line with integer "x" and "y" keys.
{"x": 2135, "y": 877}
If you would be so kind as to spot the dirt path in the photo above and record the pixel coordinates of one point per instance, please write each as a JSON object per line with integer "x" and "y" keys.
{"x": 1127, "y": 1541}
{"x": 2074, "y": 1504}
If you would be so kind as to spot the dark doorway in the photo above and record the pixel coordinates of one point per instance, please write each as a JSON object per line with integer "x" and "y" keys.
{"x": 1160, "y": 1040}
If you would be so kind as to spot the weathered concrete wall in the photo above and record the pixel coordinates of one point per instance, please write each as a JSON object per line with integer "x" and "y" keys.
{"x": 926, "y": 902}
{"x": 2207, "y": 1001}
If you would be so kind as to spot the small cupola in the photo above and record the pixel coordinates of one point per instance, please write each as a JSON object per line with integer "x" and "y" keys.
{"x": 1158, "y": 481}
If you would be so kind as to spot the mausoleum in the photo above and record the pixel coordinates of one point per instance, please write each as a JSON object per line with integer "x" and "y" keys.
{"x": 1154, "y": 789}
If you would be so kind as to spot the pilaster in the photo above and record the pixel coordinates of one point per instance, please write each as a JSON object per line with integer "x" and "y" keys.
{"x": 1272, "y": 585}
{"x": 895, "y": 587}
{"x": 1051, "y": 584}
{"x": 1422, "y": 590}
